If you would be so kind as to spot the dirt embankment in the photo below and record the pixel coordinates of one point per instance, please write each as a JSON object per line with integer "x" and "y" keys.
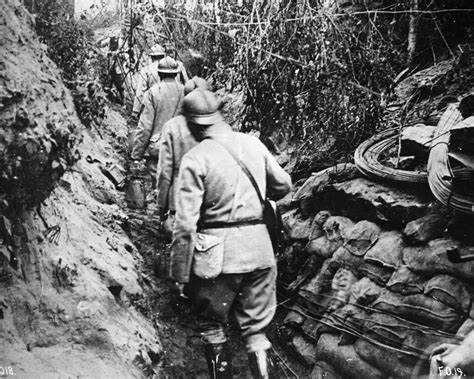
{"x": 68, "y": 272}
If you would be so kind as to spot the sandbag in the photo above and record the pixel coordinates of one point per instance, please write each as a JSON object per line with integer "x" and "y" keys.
{"x": 362, "y": 237}
{"x": 322, "y": 247}
{"x": 430, "y": 226}
{"x": 344, "y": 258}
{"x": 351, "y": 319}
{"x": 294, "y": 317}
{"x": 383, "y": 258}
{"x": 420, "y": 309}
{"x": 377, "y": 273}
{"x": 321, "y": 217}
{"x": 426, "y": 341}
{"x": 450, "y": 291}
{"x": 295, "y": 226}
{"x": 317, "y": 225}
{"x": 364, "y": 292}
{"x": 431, "y": 259}
{"x": 406, "y": 282}
{"x": 386, "y": 328}
{"x": 321, "y": 282}
{"x": 337, "y": 227}
{"x": 323, "y": 370}
{"x": 304, "y": 349}
{"x": 313, "y": 329}
{"x": 390, "y": 362}
{"x": 345, "y": 358}
{"x": 341, "y": 286}
{"x": 466, "y": 328}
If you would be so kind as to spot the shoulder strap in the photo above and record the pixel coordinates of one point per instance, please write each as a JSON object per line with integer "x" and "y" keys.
{"x": 244, "y": 169}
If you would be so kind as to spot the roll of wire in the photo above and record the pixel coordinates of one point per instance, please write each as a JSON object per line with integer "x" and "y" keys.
{"x": 366, "y": 159}
{"x": 440, "y": 174}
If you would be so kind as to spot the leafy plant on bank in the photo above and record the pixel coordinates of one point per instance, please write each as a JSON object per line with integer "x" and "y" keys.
{"x": 71, "y": 47}
{"x": 313, "y": 77}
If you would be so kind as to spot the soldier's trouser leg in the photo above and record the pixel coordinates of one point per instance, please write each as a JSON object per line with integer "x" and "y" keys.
{"x": 250, "y": 297}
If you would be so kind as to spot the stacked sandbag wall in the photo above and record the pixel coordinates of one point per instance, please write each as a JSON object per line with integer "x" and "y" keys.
{"x": 368, "y": 296}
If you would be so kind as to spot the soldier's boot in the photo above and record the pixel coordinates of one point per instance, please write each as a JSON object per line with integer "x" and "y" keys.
{"x": 218, "y": 361}
{"x": 261, "y": 365}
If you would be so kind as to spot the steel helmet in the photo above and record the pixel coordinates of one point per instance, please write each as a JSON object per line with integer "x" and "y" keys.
{"x": 202, "y": 107}
{"x": 157, "y": 50}
{"x": 194, "y": 83}
{"x": 168, "y": 65}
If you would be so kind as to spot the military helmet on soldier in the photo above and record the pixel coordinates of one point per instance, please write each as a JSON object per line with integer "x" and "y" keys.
{"x": 157, "y": 51}
{"x": 168, "y": 65}
{"x": 202, "y": 107}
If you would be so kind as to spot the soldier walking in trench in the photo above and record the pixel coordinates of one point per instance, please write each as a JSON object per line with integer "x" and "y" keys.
{"x": 161, "y": 103}
{"x": 176, "y": 140}
{"x": 147, "y": 78}
{"x": 221, "y": 248}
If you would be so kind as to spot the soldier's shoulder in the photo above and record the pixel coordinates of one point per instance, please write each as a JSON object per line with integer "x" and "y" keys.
{"x": 249, "y": 139}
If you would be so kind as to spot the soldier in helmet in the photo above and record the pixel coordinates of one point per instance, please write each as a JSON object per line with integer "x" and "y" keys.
{"x": 171, "y": 51}
{"x": 176, "y": 140}
{"x": 219, "y": 216}
{"x": 147, "y": 77}
{"x": 161, "y": 103}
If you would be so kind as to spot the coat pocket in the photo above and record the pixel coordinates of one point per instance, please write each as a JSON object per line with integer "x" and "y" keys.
{"x": 208, "y": 257}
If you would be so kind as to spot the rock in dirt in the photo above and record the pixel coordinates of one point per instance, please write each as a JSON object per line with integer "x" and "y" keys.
{"x": 361, "y": 199}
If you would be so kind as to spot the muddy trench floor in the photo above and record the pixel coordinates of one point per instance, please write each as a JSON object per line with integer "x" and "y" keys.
{"x": 173, "y": 320}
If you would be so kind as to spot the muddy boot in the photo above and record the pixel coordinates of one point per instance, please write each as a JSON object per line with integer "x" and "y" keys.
{"x": 261, "y": 365}
{"x": 218, "y": 361}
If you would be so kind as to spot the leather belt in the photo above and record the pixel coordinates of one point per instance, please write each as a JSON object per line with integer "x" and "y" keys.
{"x": 231, "y": 224}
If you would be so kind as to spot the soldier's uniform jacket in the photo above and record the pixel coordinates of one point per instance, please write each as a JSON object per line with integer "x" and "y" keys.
{"x": 161, "y": 103}
{"x": 176, "y": 140}
{"x": 213, "y": 188}
{"x": 147, "y": 78}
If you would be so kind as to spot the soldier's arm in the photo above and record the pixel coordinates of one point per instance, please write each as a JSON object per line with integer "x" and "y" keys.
{"x": 165, "y": 167}
{"x": 189, "y": 199}
{"x": 278, "y": 180}
{"x": 144, "y": 128}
